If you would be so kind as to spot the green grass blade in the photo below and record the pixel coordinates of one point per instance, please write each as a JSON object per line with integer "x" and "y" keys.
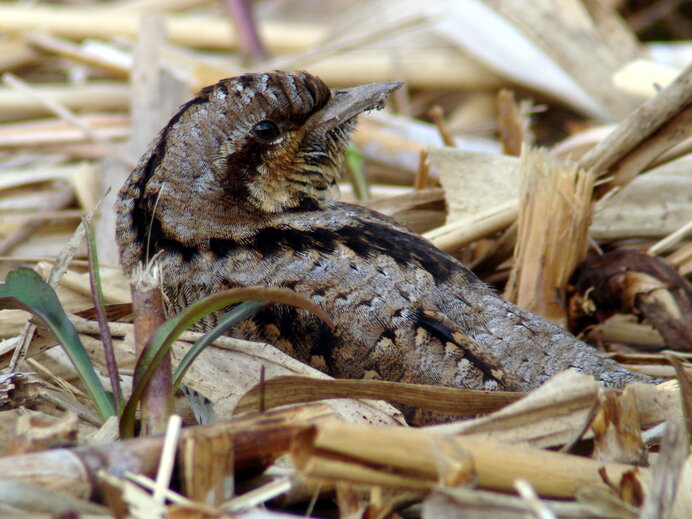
{"x": 25, "y": 289}
{"x": 237, "y": 314}
{"x": 164, "y": 337}
{"x": 356, "y": 169}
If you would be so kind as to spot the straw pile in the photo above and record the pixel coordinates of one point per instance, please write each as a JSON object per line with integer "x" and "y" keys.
{"x": 544, "y": 144}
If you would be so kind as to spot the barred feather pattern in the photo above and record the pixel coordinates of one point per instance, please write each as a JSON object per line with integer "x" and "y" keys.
{"x": 218, "y": 208}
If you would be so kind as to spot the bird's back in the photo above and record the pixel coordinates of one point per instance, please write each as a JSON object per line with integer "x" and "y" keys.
{"x": 404, "y": 310}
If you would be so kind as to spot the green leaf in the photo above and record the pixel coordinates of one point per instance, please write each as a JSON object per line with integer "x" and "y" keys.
{"x": 25, "y": 289}
{"x": 238, "y": 314}
{"x": 163, "y": 338}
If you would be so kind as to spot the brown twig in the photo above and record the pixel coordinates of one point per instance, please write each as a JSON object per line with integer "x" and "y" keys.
{"x": 254, "y": 442}
{"x": 437, "y": 116}
{"x": 625, "y": 151}
{"x": 147, "y": 305}
{"x": 668, "y": 135}
{"x": 420, "y": 181}
{"x": 288, "y": 390}
{"x": 406, "y": 458}
{"x": 513, "y": 123}
{"x": 249, "y": 40}
{"x": 102, "y": 319}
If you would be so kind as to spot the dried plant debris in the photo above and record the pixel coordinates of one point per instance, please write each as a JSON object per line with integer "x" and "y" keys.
{"x": 625, "y": 281}
{"x": 594, "y": 227}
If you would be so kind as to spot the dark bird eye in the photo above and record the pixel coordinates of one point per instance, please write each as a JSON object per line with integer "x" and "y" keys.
{"x": 266, "y": 131}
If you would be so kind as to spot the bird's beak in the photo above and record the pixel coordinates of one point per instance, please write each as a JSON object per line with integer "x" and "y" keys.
{"x": 346, "y": 103}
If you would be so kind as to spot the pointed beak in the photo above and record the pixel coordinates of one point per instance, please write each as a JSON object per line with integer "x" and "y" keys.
{"x": 346, "y": 103}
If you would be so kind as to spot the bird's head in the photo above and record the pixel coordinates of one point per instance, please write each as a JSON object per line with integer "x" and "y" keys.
{"x": 246, "y": 146}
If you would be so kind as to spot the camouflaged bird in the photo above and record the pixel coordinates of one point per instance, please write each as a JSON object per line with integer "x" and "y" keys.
{"x": 237, "y": 190}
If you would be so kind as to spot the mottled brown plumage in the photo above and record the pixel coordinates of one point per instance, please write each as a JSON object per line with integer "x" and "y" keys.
{"x": 236, "y": 191}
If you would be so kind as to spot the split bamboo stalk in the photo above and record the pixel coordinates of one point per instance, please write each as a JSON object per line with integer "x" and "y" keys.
{"x": 75, "y": 52}
{"x": 192, "y": 31}
{"x": 655, "y": 370}
{"x": 641, "y": 123}
{"x": 255, "y": 441}
{"x": 619, "y": 330}
{"x": 556, "y": 413}
{"x": 438, "y": 67}
{"x": 66, "y": 114}
{"x": 452, "y": 236}
{"x": 52, "y": 131}
{"x": 101, "y": 95}
{"x": 15, "y": 53}
{"x": 419, "y": 68}
{"x": 669, "y": 136}
{"x": 371, "y": 455}
{"x": 553, "y": 231}
{"x": 672, "y": 239}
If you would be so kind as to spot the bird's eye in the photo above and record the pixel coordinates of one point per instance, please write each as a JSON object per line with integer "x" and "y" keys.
{"x": 266, "y": 131}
